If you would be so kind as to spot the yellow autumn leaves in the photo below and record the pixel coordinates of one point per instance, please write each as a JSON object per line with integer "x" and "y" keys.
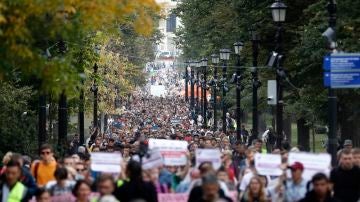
{"x": 28, "y": 27}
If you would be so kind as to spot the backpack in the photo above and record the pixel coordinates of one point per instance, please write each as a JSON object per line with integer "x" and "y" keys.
{"x": 36, "y": 169}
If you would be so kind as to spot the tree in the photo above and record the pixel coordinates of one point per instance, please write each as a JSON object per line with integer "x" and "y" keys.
{"x": 210, "y": 25}
{"x": 17, "y": 119}
{"x": 30, "y": 27}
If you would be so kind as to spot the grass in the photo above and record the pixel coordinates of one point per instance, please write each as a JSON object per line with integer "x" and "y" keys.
{"x": 318, "y": 139}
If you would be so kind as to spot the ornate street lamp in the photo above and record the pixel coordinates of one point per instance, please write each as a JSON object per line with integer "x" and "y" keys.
{"x": 204, "y": 63}
{"x": 215, "y": 61}
{"x": 255, "y": 80}
{"x": 278, "y": 10}
{"x": 224, "y": 56}
{"x": 238, "y": 46}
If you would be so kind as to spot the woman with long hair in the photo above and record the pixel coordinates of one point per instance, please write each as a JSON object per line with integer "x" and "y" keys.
{"x": 135, "y": 187}
{"x": 82, "y": 191}
{"x": 255, "y": 192}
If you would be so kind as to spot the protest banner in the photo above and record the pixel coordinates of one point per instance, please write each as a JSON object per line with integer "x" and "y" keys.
{"x": 268, "y": 164}
{"x": 175, "y": 121}
{"x": 68, "y": 197}
{"x": 313, "y": 163}
{"x": 210, "y": 155}
{"x": 158, "y": 90}
{"x": 106, "y": 162}
{"x": 173, "y": 151}
{"x": 154, "y": 159}
{"x": 173, "y": 197}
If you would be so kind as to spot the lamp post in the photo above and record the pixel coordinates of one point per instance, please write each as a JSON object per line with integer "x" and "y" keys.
{"x": 224, "y": 56}
{"x": 255, "y": 81}
{"x": 186, "y": 81}
{"x": 238, "y": 47}
{"x": 192, "y": 99}
{"x": 204, "y": 62}
{"x": 94, "y": 89}
{"x": 215, "y": 61}
{"x": 197, "y": 109}
{"x": 332, "y": 100}
{"x": 278, "y": 10}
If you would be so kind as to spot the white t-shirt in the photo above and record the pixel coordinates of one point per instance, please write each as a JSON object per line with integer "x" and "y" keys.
{"x": 245, "y": 181}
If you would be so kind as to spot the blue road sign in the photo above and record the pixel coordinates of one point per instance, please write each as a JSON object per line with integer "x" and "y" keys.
{"x": 342, "y": 79}
{"x": 344, "y": 62}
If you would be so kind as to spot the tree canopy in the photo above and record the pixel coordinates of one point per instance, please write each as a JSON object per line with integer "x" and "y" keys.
{"x": 220, "y": 23}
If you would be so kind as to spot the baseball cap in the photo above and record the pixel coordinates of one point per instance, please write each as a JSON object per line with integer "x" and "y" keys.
{"x": 296, "y": 166}
{"x": 347, "y": 142}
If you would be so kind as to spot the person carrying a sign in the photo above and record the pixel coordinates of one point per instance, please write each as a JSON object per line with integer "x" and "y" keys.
{"x": 294, "y": 189}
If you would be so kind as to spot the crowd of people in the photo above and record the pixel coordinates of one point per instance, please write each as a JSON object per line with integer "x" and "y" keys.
{"x": 147, "y": 117}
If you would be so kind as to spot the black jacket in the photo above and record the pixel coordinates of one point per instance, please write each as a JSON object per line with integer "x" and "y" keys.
{"x": 311, "y": 197}
{"x": 197, "y": 193}
{"x": 136, "y": 190}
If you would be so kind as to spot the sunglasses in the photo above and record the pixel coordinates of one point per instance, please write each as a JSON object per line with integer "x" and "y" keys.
{"x": 81, "y": 170}
{"x": 47, "y": 153}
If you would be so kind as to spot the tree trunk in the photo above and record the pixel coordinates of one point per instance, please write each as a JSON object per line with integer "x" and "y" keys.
{"x": 303, "y": 134}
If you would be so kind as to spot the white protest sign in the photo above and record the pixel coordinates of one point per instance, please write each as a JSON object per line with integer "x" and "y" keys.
{"x": 208, "y": 155}
{"x": 106, "y": 162}
{"x": 157, "y": 90}
{"x": 268, "y": 164}
{"x": 173, "y": 151}
{"x": 153, "y": 160}
{"x": 313, "y": 163}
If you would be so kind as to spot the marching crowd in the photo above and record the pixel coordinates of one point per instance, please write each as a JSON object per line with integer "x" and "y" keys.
{"x": 147, "y": 117}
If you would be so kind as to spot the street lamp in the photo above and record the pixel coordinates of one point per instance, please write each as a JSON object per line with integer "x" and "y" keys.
{"x": 186, "y": 81}
{"x": 278, "y": 10}
{"x": 224, "y": 56}
{"x": 215, "y": 61}
{"x": 255, "y": 80}
{"x": 197, "y": 109}
{"x": 192, "y": 96}
{"x": 204, "y": 63}
{"x": 332, "y": 99}
{"x": 238, "y": 46}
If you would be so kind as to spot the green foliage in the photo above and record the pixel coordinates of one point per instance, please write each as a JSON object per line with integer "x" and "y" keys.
{"x": 17, "y": 119}
{"x": 210, "y": 25}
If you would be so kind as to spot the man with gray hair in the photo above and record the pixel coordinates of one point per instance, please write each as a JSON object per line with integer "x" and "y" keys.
{"x": 81, "y": 150}
{"x": 209, "y": 191}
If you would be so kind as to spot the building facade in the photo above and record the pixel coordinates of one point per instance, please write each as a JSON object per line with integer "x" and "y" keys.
{"x": 167, "y": 26}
